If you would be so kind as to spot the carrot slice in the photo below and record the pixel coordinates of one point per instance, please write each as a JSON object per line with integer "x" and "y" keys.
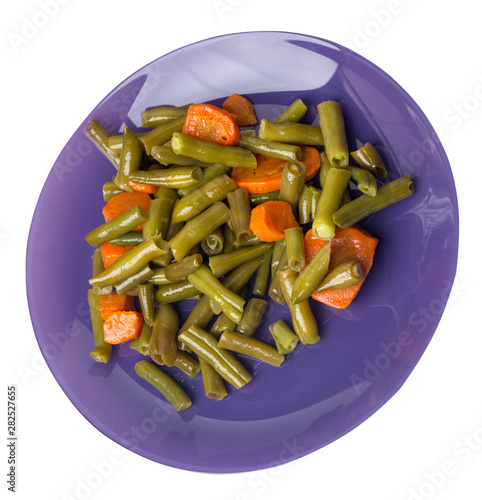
{"x": 242, "y": 109}
{"x": 269, "y": 220}
{"x": 211, "y": 123}
{"x": 121, "y": 326}
{"x": 142, "y": 188}
{"x": 113, "y": 302}
{"x": 348, "y": 244}
{"x": 122, "y": 202}
{"x": 110, "y": 253}
{"x": 266, "y": 176}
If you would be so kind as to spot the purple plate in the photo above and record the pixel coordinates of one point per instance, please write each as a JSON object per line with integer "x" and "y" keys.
{"x": 367, "y": 351}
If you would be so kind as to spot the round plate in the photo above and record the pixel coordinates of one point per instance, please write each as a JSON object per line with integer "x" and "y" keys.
{"x": 367, "y": 351}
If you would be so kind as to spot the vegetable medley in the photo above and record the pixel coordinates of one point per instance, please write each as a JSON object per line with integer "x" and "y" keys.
{"x": 210, "y": 205}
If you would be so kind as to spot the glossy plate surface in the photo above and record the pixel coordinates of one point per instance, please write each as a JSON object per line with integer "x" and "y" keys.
{"x": 367, "y": 351}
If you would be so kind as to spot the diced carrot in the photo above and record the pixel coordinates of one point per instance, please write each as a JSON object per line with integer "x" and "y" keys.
{"x": 269, "y": 220}
{"x": 122, "y": 202}
{"x": 242, "y": 109}
{"x": 266, "y": 176}
{"x": 142, "y": 188}
{"x": 211, "y": 123}
{"x": 113, "y": 302}
{"x": 121, "y": 326}
{"x": 348, "y": 244}
{"x": 110, "y": 253}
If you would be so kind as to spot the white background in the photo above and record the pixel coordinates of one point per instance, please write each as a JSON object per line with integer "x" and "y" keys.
{"x": 426, "y": 442}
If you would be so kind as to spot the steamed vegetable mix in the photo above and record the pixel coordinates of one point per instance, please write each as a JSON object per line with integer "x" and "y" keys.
{"x": 229, "y": 212}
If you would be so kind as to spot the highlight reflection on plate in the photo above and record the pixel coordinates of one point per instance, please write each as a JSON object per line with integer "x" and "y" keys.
{"x": 367, "y": 351}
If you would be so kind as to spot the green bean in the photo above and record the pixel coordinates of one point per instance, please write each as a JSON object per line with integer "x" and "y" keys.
{"x": 162, "y": 133}
{"x": 130, "y": 282}
{"x": 229, "y": 238}
{"x": 229, "y": 302}
{"x": 183, "y": 268}
{"x": 333, "y": 129}
{"x": 201, "y": 314}
{"x": 311, "y": 275}
{"x": 159, "y": 277}
{"x": 198, "y": 228}
{"x": 305, "y": 203}
{"x": 171, "y": 177}
{"x": 344, "y": 275}
{"x": 213, "y": 243}
{"x": 213, "y": 384}
{"x": 146, "y": 300}
{"x": 250, "y": 347}
{"x": 285, "y": 339}
{"x": 97, "y": 268}
{"x": 252, "y": 316}
{"x": 162, "y": 114}
{"x": 116, "y": 227}
{"x": 222, "y": 263}
{"x": 144, "y": 338}
{"x": 261, "y": 279}
{"x": 253, "y": 240}
{"x": 292, "y": 182}
{"x": 291, "y": 133}
{"x": 102, "y": 350}
{"x": 166, "y": 192}
{"x": 293, "y": 113}
{"x": 209, "y": 173}
{"x": 131, "y": 262}
{"x": 365, "y": 180}
{"x": 223, "y": 322}
{"x": 158, "y": 218}
{"x": 196, "y": 201}
{"x": 173, "y": 292}
{"x": 206, "y": 347}
{"x": 163, "y": 340}
{"x": 365, "y": 205}
{"x": 369, "y": 158}
{"x": 278, "y": 250}
{"x": 324, "y": 167}
{"x": 130, "y": 238}
{"x": 115, "y": 141}
{"x": 304, "y": 323}
{"x": 257, "y": 198}
{"x": 239, "y": 214}
{"x": 336, "y": 182}
{"x": 130, "y": 159}
{"x": 100, "y": 137}
{"x": 295, "y": 248}
{"x": 183, "y": 361}
{"x": 170, "y": 389}
{"x": 261, "y": 146}
{"x": 110, "y": 189}
{"x": 166, "y": 156}
{"x": 274, "y": 290}
{"x": 209, "y": 152}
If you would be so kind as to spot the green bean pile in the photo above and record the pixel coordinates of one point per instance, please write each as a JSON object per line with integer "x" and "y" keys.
{"x": 196, "y": 241}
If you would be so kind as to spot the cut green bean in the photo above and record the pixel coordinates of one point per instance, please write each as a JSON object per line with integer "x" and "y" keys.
{"x": 222, "y": 263}
{"x": 304, "y": 323}
{"x": 252, "y": 316}
{"x": 131, "y": 262}
{"x": 102, "y": 351}
{"x": 162, "y": 133}
{"x": 260, "y": 146}
{"x": 209, "y": 152}
{"x": 116, "y": 227}
{"x": 170, "y": 389}
{"x": 251, "y": 347}
{"x": 324, "y": 167}
{"x": 258, "y": 198}
{"x": 365, "y": 180}
{"x": 369, "y": 158}
{"x": 295, "y": 248}
{"x": 110, "y": 189}
{"x": 163, "y": 340}
{"x": 130, "y": 282}
{"x": 115, "y": 142}
{"x": 206, "y": 347}
{"x": 293, "y": 113}
{"x": 261, "y": 280}
{"x": 159, "y": 277}
{"x": 198, "y": 228}
{"x": 158, "y": 218}
{"x": 171, "y": 177}
{"x": 291, "y": 133}
{"x": 213, "y": 243}
{"x": 344, "y": 275}
{"x": 336, "y": 182}
{"x": 239, "y": 214}
{"x": 129, "y": 239}
{"x": 166, "y": 156}
{"x": 213, "y": 384}
{"x": 209, "y": 173}
{"x": 146, "y": 300}
{"x": 97, "y": 268}
{"x": 365, "y": 205}
{"x": 274, "y": 290}
{"x": 286, "y": 340}
{"x": 305, "y": 203}
{"x": 173, "y": 292}
{"x": 100, "y": 137}
{"x": 181, "y": 269}
{"x": 143, "y": 339}
{"x": 333, "y": 129}
{"x": 154, "y": 117}
{"x": 311, "y": 275}
{"x": 130, "y": 159}
{"x": 166, "y": 192}
{"x": 292, "y": 182}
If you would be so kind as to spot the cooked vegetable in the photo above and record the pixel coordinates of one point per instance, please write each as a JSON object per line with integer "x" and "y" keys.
{"x": 252, "y": 316}
{"x": 239, "y": 214}
{"x": 130, "y": 159}
{"x": 102, "y": 350}
{"x": 110, "y": 253}
{"x": 269, "y": 220}
{"x": 343, "y": 276}
{"x": 333, "y": 129}
{"x": 113, "y": 302}
{"x": 369, "y": 158}
{"x": 291, "y": 133}
{"x": 242, "y": 109}
{"x": 295, "y": 250}
{"x": 122, "y": 326}
{"x": 293, "y": 113}
{"x": 285, "y": 339}
{"x": 124, "y": 201}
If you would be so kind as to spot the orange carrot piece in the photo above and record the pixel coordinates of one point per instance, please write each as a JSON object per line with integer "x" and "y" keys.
{"x": 113, "y": 302}
{"x": 211, "y": 123}
{"x": 348, "y": 244}
{"x": 269, "y": 220}
{"x": 266, "y": 176}
{"x": 122, "y": 202}
{"x": 242, "y": 109}
{"x": 110, "y": 253}
{"x": 121, "y": 326}
{"x": 142, "y": 188}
